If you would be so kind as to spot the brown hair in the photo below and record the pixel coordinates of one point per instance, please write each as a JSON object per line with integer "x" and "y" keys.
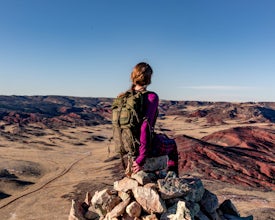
{"x": 141, "y": 74}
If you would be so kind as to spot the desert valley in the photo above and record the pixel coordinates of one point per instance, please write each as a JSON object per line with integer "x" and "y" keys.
{"x": 54, "y": 149}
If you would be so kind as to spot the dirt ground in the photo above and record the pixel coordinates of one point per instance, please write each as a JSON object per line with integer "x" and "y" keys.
{"x": 45, "y": 170}
{"x": 65, "y": 161}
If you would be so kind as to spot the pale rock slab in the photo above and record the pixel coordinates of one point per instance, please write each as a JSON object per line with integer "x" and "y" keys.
{"x": 125, "y": 184}
{"x": 151, "y": 185}
{"x": 149, "y": 217}
{"x": 149, "y": 199}
{"x": 123, "y": 195}
{"x": 104, "y": 201}
{"x": 118, "y": 210}
{"x": 182, "y": 210}
{"x": 143, "y": 177}
{"x": 133, "y": 209}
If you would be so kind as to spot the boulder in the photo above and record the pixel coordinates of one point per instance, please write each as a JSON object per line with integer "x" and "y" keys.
{"x": 190, "y": 188}
{"x": 118, "y": 210}
{"x": 143, "y": 177}
{"x": 227, "y": 207}
{"x": 104, "y": 201}
{"x": 149, "y": 199}
{"x": 209, "y": 201}
{"x": 125, "y": 184}
{"x": 155, "y": 163}
{"x": 133, "y": 209}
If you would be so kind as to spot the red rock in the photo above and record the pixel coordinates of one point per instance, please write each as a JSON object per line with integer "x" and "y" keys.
{"x": 251, "y": 163}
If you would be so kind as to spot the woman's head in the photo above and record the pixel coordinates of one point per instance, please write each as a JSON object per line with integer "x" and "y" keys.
{"x": 141, "y": 74}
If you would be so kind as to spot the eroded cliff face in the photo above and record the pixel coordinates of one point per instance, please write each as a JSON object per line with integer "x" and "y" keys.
{"x": 242, "y": 155}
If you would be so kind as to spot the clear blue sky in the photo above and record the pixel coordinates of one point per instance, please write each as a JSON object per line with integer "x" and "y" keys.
{"x": 208, "y": 50}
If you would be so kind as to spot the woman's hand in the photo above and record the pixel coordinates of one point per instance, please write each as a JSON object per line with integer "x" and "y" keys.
{"x": 136, "y": 167}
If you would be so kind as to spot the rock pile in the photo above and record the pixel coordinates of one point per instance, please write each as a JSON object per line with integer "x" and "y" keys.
{"x": 146, "y": 196}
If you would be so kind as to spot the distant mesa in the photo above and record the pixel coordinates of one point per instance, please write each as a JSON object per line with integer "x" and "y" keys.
{"x": 54, "y": 111}
{"x": 66, "y": 111}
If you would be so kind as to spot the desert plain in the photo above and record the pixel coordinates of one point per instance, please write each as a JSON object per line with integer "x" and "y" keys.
{"x": 48, "y": 159}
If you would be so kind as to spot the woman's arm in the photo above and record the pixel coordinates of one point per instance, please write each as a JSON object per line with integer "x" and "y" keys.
{"x": 151, "y": 105}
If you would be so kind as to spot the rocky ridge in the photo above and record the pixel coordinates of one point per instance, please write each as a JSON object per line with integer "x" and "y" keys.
{"x": 54, "y": 111}
{"x": 65, "y": 111}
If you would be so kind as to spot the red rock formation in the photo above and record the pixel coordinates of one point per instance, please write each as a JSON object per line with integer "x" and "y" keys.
{"x": 239, "y": 156}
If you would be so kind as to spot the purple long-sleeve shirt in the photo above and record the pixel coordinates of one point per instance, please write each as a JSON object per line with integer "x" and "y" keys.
{"x": 151, "y": 105}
